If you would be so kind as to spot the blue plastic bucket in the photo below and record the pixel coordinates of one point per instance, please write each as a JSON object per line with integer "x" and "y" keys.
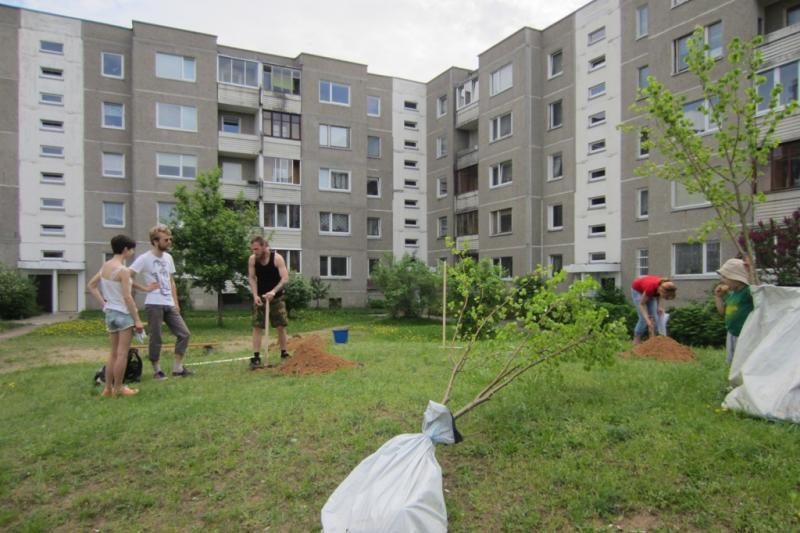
{"x": 340, "y": 335}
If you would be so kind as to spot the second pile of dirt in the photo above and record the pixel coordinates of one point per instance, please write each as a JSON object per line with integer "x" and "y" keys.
{"x": 663, "y": 349}
{"x": 309, "y": 357}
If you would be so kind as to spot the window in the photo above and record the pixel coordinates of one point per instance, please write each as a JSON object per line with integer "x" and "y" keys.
{"x": 334, "y": 180}
{"x": 282, "y": 125}
{"x": 232, "y": 171}
{"x": 642, "y": 21}
{"x": 51, "y": 99}
{"x": 597, "y": 62}
{"x": 597, "y": 257}
{"x": 411, "y": 243}
{"x": 113, "y": 215}
{"x": 556, "y": 64}
{"x": 441, "y": 187}
{"x": 174, "y": 67}
{"x": 176, "y": 117}
{"x": 372, "y": 264}
{"x": 555, "y": 217}
{"x": 334, "y": 222}
{"x": 441, "y": 147}
{"x": 597, "y": 174}
{"x": 51, "y": 47}
{"x": 280, "y": 170}
{"x": 597, "y": 202}
{"x": 52, "y": 230}
{"x": 597, "y": 35}
{"x": 165, "y": 212}
{"x": 56, "y": 178}
{"x": 334, "y": 267}
{"x": 555, "y": 167}
{"x": 51, "y": 125}
{"x": 374, "y": 106}
{"x": 466, "y": 180}
{"x": 787, "y": 76}
{"x": 410, "y": 105}
{"x": 556, "y": 263}
{"x": 410, "y": 145}
{"x": 50, "y": 72}
{"x": 683, "y": 199}
{"x": 286, "y": 216}
{"x": 411, "y": 223}
{"x": 676, "y": 3}
{"x": 500, "y": 127}
{"x": 597, "y": 90}
{"x": 373, "y": 147}
{"x": 466, "y": 223}
{"x": 500, "y": 221}
{"x": 230, "y": 124}
{"x": 785, "y": 166}
{"x": 441, "y": 106}
{"x": 282, "y": 80}
{"x": 113, "y": 115}
{"x": 373, "y": 187}
{"x": 712, "y": 37}
{"x": 642, "y": 262}
{"x": 291, "y": 258}
{"x": 331, "y": 92}
{"x": 176, "y": 166}
{"x": 441, "y": 227}
{"x": 373, "y": 227}
{"x": 467, "y": 93}
{"x": 555, "y": 115}
{"x": 792, "y": 15}
{"x": 334, "y": 136}
{"x": 695, "y": 258}
{"x": 113, "y": 65}
{"x": 410, "y": 124}
{"x": 597, "y": 119}
{"x": 500, "y": 174}
{"x": 52, "y": 254}
{"x": 411, "y": 204}
{"x": 501, "y": 79}
{"x": 642, "y": 147}
{"x": 46, "y": 150}
{"x": 113, "y": 165}
{"x": 597, "y": 146}
{"x": 642, "y": 209}
{"x": 51, "y": 204}
{"x": 597, "y": 230}
{"x": 410, "y": 184}
{"x": 410, "y": 163}
{"x": 641, "y": 76}
{"x": 237, "y": 71}
{"x": 505, "y": 264}
{"x": 698, "y": 112}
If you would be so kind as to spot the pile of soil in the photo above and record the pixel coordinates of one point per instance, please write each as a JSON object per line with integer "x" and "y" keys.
{"x": 309, "y": 357}
{"x": 663, "y": 349}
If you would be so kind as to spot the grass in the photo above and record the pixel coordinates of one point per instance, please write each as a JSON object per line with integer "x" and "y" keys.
{"x": 641, "y": 445}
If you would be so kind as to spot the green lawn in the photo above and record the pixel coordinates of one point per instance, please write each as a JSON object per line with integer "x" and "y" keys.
{"x": 640, "y": 445}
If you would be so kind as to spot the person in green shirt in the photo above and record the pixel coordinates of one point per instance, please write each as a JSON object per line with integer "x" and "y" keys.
{"x": 733, "y": 299}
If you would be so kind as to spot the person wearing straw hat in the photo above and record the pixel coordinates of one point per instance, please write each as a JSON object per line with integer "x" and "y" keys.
{"x": 648, "y": 294}
{"x": 733, "y": 299}
{"x": 267, "y": 274}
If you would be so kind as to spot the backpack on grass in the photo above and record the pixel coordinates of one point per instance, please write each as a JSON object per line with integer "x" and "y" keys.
{"x": 133, "y": 370}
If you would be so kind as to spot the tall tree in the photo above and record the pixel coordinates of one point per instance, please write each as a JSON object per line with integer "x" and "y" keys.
{"x": 740, "y": 113}
{"x": 211, "y": 235}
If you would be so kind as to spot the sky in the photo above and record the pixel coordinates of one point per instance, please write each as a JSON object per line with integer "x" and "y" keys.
{"x": 412, "y": 39}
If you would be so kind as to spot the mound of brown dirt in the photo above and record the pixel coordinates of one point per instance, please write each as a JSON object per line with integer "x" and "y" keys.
{"x": 310, "y": 357}
{"x": 663, "y": 349}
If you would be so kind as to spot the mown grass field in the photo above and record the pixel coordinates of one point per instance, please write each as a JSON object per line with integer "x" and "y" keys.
{"x": 642, "y": 445}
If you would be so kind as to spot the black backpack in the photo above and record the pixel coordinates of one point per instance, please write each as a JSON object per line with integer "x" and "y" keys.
{"x": 133, "y": 371}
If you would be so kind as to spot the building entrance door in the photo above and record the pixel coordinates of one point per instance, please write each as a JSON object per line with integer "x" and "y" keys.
{"x": 67, "y": 292}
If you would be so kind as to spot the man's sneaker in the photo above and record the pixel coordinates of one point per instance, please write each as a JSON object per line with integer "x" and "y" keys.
{"x": 183, "y": 373}
{"x": 284, "y": 354}
{"x": 256, "y": 363}
{"x": 159, "y": 376}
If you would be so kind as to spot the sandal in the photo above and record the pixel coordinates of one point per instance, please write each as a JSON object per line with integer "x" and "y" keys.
{"x": 126, "y": 391}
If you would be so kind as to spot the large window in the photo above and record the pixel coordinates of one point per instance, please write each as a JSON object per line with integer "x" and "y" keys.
{"x": 787, "y": 76}
{"x": 280, "y": 170}
{"x": 441, "y": 106}
{"x": 500, "y": 221}
{"x": 176, "y": 117}
{"x": 506, "y": 264}
{"x": 642, "y": 21}
{"x": 292, "y": 259}
{"x": 695, "y": 258}
{"x": 113, "y": 115}
{"x": 165, "y": 212}
{"x": 501, "y": 79}
{"x": 174, "y": 67}
{"x": 785, "y": 166}
{"x": 467, "y": 180}
{"x": 373, "y": 227}
{"x": 500, "y": 174}
{"x": 113, "y": 215}
{"x": 334, "y": 266}
{"x": 641, "y": 76}
{"x": 555, "y": 166}
{"x": 441, "y": 146}
{"x": 556, "y": 263}
{"x": 556, "y": 64}
{"x": 441, "y": 187}
{"x": 282, "y": 125}
{"x": 555, "y": 217}
{"x": 331, "y": 92}
{"x": 441, "y": 227}
{"x": 113, "y": 65}
{"x": 113, "y": 165}
{"x": 500, "y": 127}
{"x": 642, "y": 208}
{"x": 698, "y": 111}
{"x": 334, "y": 223}
{"x": 642, "y": 262}
{"x": 373, "y": 187}
{"x": 467, "y": 223}
{"x": 281, "y": 80}
{"x": 334, "y": 136}
{"x": 176, "y": 166}
{"x": 467, "y": 93}
{"x": 334, "y": 180}
{"x": 373, "y": 147}
{"x": 555, "y": 114}
{"x": 713, "y": 38}
{"x": 237, "y": 71}
{"x": 374, "y": 106}
{"x": 285, "y": 216}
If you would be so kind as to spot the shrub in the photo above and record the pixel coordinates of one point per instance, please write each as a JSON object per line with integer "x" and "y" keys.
{"x": 625, "y": 312}
{"x": 478, "y": 295}
{"x": 319, "y": 289}
{"x": 17, "y": 295}
{"x": 697, "y": 324}
{"x": 408, "y": 286}
{"x": 298, "y": 292}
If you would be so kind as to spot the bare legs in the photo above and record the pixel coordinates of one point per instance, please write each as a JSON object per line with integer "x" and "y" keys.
{"x": 117, "y": 362}
{"x": 258, "y": 336}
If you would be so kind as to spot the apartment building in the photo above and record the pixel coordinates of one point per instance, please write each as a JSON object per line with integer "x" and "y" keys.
{"x": 520, "y": 161}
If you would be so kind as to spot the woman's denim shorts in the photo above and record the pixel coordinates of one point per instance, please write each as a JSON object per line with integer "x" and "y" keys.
{"x": 117, "y": 321}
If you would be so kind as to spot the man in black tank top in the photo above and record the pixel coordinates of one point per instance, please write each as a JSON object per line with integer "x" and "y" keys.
{"x": 266, "y": 271}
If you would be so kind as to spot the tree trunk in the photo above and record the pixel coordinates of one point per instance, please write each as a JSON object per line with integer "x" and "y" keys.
{"x": 219, "y": 308}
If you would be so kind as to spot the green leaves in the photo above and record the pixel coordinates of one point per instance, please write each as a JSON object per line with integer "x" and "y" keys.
{"x": 408, "y": 286}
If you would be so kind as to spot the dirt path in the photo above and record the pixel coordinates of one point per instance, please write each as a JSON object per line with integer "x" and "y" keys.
{"x": 29, "y": 324}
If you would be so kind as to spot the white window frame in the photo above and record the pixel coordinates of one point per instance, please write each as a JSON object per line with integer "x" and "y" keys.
{"x": 597, "y": 202}
{"x": 642, "y": 204}
{"x": 181, "y": 165}
{"x": 409, "y": 203}
{"x": 507, "y": 273}
{"x": 411, "y": 105}
{"x": 230, "y": 119}
{"x": 441, "y": 106}
{"x": 51, "y": 73}
{"x": 551, "y": 73}
{"x": 244, "y": 62}
{"x": 551, "y": 166}
{"x": 676, "y": 57}
{"x": 44, "y": 95}
{"x": 103, "y": 72}
{"x": 374, "y": 98}
{"x": 52, "y": 230}
{"x": 410, "y": 144}
{"x": 597, "y": 90}
{"x": 707, "y": 270}
{"x": 495, "y": 221}
{"x": 375, "y": 179}
{"x": 410, "y": 183}
{"x": 106, "y": 224}
{"x": 380, "y": 147}
{"x": 597, "y": 119}
{"x": 469, "y": 90}
{"x": 642, "y": 261}
{"x": 186, "y": 75}
{"x": 708, "y": 126}
{"x": 51, "y": 204}
{"x": 700, "y": 204}
{"x": 52, "y": 255}
{"x": 441, "y": 146}
{"x": 380, "y": 230}
{"x": 410, "y": 223}
{"x": 326, "y": 136}
{"x": 57, "y": 50}
{"x": 551, "y": 125}
{"x": 55, "y": 126}
{"x": 288, "y": 207}
{"x": 596, "y": 36}
{"x": 551, "y": 263}
{"x": 499, "y": 78}
{"x": 103, "y": 123}
{"x": 55, "y": 178}
{"x": 551, "y": 209}
{"x": 496, "y": 174}
{"x": 597, "y": 63}
{"x": 331, "y": 85}
{"x": 591, "y": 174}
{"x": 597, "y": 230}
{"x": 676, "y": 3}
{"x": 439, "y": 181}
{"x": 329, "y": 187}
{"x": 328, "y": 259}
{"x": 182, "y": 109}
{"x": 441, "y": 229}
{"x": 595, "y": 147}
{"x": 159, "y": 206}
{"x": 411, "y": 164}
{"x": 597, "y": 257}
{"x": 106, "y": 171}
{"x": 411, "y": 125}
{"x": 495, "y": 124}
{"x": 330, "y": 215}
{"x": 50, "y": 150}
{"x": 641, "y": 152}
{"x": 642, "y": 24}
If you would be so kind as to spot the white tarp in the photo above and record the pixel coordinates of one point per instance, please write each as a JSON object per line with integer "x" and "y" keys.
{"x": 398, "y": 488}
{"x": 766, "y": 365}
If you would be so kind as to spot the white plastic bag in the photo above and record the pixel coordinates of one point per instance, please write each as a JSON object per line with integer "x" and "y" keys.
{"x": 398, "y": 488}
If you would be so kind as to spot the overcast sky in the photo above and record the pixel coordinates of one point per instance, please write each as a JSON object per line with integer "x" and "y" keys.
{"x": 414, "y": 39}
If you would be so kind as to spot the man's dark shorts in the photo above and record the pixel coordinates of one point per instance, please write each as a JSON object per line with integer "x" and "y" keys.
{"x": 278, "y": 317}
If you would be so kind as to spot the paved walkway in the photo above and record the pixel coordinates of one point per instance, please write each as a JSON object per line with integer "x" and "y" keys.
{"x": 29, "y": 324}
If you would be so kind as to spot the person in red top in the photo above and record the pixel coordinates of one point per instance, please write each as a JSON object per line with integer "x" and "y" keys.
{"x": 649, "y": 293}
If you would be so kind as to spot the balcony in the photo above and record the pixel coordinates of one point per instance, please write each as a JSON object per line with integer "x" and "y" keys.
{"x": 781, "y": 45}
{"x": 467, "y": 200}
{"x": 467, "y": 115}
{"x": 230, "y": 189}
{"x": 467, "y": 104}
{"x": 779, "y": 205}
{"x": 239, "y": 144}
{"x": 288, "y": 103}
{"x": 467, "y": 157}
{"x": 236, "y": 98}
{"x": 470, "y": 242}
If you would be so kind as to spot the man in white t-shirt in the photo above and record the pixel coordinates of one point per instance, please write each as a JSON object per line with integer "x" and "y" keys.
{"x": 161, "y": 304}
